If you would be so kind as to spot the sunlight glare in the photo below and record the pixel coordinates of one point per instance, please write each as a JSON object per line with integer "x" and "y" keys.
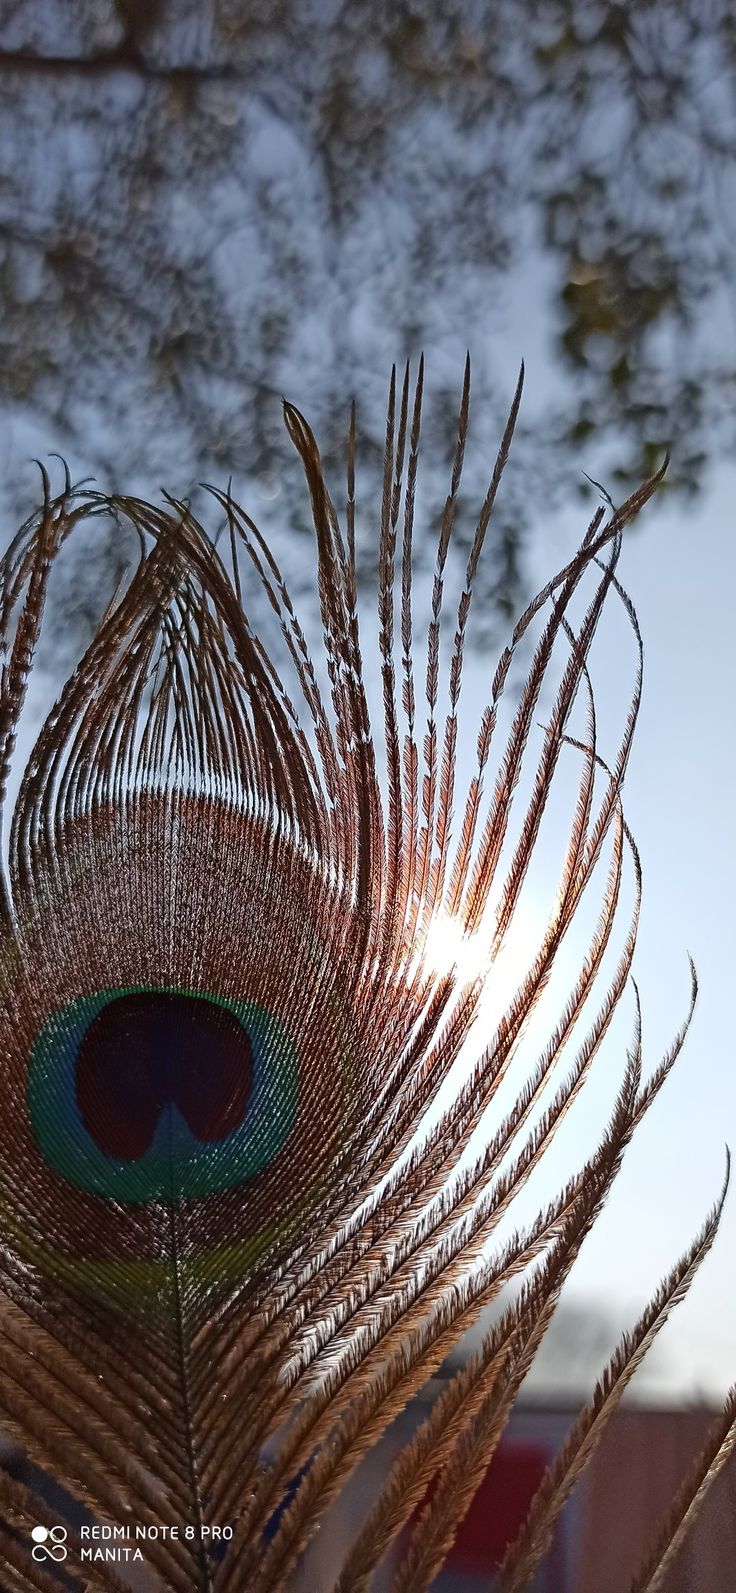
{"x": 449, "y": 948}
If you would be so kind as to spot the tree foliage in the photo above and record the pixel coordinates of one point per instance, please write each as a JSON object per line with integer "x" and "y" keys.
{"x": 204, "y": 206}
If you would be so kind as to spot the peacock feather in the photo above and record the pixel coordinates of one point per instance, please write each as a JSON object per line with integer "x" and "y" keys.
{"x": 244, "y": 1218}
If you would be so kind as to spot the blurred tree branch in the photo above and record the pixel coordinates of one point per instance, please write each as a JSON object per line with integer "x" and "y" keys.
{"x": 124, "y": 57}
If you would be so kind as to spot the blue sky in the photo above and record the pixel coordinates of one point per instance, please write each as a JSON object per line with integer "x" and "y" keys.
{"x": 680, "y": 570}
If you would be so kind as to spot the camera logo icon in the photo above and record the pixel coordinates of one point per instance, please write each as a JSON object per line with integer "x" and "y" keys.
{"x": 49, "y": 1543}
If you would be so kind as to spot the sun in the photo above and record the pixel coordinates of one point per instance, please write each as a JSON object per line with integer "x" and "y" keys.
{"x": 449, "y": 948}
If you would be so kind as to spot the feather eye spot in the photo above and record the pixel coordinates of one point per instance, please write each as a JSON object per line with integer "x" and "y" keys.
{"x": 155, "y": 1094}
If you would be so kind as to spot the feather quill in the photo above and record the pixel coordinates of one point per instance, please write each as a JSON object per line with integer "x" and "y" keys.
{"x": 242, "y": 1217}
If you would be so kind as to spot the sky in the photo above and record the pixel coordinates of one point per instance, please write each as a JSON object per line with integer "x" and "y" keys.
{"x": 679, "y": 801}
{"x": 679, "y": 567}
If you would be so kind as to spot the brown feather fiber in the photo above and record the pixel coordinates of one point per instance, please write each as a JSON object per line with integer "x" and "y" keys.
{"x": 213, "y": 1322}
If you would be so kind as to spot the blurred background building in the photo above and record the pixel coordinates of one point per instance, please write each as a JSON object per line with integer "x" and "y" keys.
{"x": 606, "y": 1527}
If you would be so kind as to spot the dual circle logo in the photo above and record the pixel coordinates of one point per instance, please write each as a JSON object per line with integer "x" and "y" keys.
{"x": 49, "y": 1543}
